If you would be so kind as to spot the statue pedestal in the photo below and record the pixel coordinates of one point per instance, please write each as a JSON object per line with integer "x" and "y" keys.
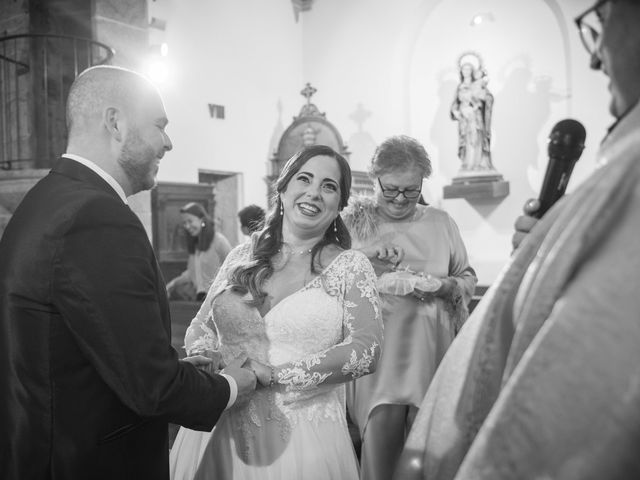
{"x": 476, "y": 185}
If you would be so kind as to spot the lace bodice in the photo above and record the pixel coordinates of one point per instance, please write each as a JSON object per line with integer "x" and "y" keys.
{"x": 322, "y": 335}
{"x": 327, "y": 332}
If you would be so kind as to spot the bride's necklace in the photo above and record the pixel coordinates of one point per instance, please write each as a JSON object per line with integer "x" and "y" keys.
{"x": 288, "y": 250}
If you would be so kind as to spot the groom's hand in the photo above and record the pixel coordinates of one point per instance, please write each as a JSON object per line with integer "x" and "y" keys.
{"x": 245, "y": 378}
{"x": 263, "y": 372}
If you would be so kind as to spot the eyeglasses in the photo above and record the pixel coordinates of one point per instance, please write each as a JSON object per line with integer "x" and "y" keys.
{"x": 589, "y": 25}
{"x": 409, "y": 193}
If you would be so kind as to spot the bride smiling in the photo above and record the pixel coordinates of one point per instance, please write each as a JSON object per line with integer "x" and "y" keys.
{"x": 303, "y": 308}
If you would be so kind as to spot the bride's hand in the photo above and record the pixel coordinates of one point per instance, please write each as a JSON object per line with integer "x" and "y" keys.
{"x": 199, "y": 361}
{"x": 217, "y": 363}
{"x": 209, "y": 360}
{"x": 262, "y": 371}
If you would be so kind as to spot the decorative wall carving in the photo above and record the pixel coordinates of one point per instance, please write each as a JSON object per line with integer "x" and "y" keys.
{"x": 310, "y": 127}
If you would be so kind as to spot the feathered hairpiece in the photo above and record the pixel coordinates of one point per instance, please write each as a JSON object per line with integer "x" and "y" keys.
{"x": 360, "y": 217}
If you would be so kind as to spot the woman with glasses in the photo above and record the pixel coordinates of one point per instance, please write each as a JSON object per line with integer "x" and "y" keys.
{"x": 425, "y": 283}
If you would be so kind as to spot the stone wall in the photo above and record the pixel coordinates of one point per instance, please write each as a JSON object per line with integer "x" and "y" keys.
{"x": 123, "y": 25}
{"x": 41, "y": 133}
{"x": 14, "y": 17}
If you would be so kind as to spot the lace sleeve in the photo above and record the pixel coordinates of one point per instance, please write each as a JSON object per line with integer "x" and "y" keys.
{"x": 354, "y": 282}
{"x": 201, "y": 335}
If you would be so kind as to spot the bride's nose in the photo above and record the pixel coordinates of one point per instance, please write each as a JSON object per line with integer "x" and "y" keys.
{"x": 313, "y": 191}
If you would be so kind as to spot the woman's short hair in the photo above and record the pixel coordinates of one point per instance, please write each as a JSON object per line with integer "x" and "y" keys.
{"x": 400, "y": 152}
{"x": 252, "y": 217}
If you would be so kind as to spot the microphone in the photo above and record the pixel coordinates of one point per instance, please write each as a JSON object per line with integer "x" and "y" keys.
{"x": 566, "y": 142}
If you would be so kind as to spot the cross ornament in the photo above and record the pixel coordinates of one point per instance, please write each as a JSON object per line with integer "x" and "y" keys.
{"x": 308, "y": 92}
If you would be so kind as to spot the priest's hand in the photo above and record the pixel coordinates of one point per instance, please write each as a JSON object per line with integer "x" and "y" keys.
{"x": 524, "y": 223}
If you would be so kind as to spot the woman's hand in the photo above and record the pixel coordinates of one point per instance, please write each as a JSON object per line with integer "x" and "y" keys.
{"x": 264, "y": 373}
{"x": 388, "y": 252}
{"x": 448, "y": 285}
{"x": 208, "y": 360}
{"x": 201, "y": 363}
{"x": 384, "y": 257}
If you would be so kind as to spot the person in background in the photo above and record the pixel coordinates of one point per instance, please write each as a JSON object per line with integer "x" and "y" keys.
{"x": 251, "y": 219}
{"x": 207, "y": 250}
{"x": 88, "y": 377}
{"x": 305, "y": 308}
{"x": 543, "y": 381}
{"x": 425, "y": 283}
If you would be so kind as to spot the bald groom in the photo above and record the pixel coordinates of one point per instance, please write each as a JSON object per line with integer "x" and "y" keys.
{"x": 88, "y": 376}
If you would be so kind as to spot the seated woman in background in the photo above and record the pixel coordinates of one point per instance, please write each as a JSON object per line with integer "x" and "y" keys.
{"x": 207, "y": 250}
{"x": 425, "y": 284}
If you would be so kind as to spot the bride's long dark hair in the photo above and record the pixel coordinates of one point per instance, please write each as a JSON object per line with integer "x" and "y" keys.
{"x": 250, "y": 276}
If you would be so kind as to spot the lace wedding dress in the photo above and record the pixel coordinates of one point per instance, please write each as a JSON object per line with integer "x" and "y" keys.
{"x": 321, "y": 336}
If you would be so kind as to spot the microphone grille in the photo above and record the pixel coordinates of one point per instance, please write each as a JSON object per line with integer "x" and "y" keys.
{"x": 566, "y": 140}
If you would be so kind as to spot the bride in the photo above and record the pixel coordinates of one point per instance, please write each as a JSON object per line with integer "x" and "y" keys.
{"x": 304, "y": 309}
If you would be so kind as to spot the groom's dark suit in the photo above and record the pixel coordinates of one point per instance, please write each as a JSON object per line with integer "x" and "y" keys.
{"x": 88, "y": 377}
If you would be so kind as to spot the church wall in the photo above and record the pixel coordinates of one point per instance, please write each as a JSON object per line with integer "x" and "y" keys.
{"x": 398, "y": 63}
{"x": 380, "y": 68}
{"x": 245, "y": 56}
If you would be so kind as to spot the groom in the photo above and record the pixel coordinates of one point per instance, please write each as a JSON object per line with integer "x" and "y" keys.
{"x": 88, "y": 377}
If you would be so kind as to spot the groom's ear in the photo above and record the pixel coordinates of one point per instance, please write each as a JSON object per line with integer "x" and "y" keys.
{"x": 112, "y": 120}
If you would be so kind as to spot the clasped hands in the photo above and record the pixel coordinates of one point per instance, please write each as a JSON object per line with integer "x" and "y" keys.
{"x": 247, "y": 372}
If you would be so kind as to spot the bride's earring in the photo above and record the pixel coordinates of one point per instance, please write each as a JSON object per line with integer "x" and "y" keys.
{"x": 335, "y": 228}
{"x": 281, "y": 209}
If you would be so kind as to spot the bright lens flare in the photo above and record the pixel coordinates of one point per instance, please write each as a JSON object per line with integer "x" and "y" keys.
{"x": 158, "y": 71}
{"x": 157, "y": 65}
